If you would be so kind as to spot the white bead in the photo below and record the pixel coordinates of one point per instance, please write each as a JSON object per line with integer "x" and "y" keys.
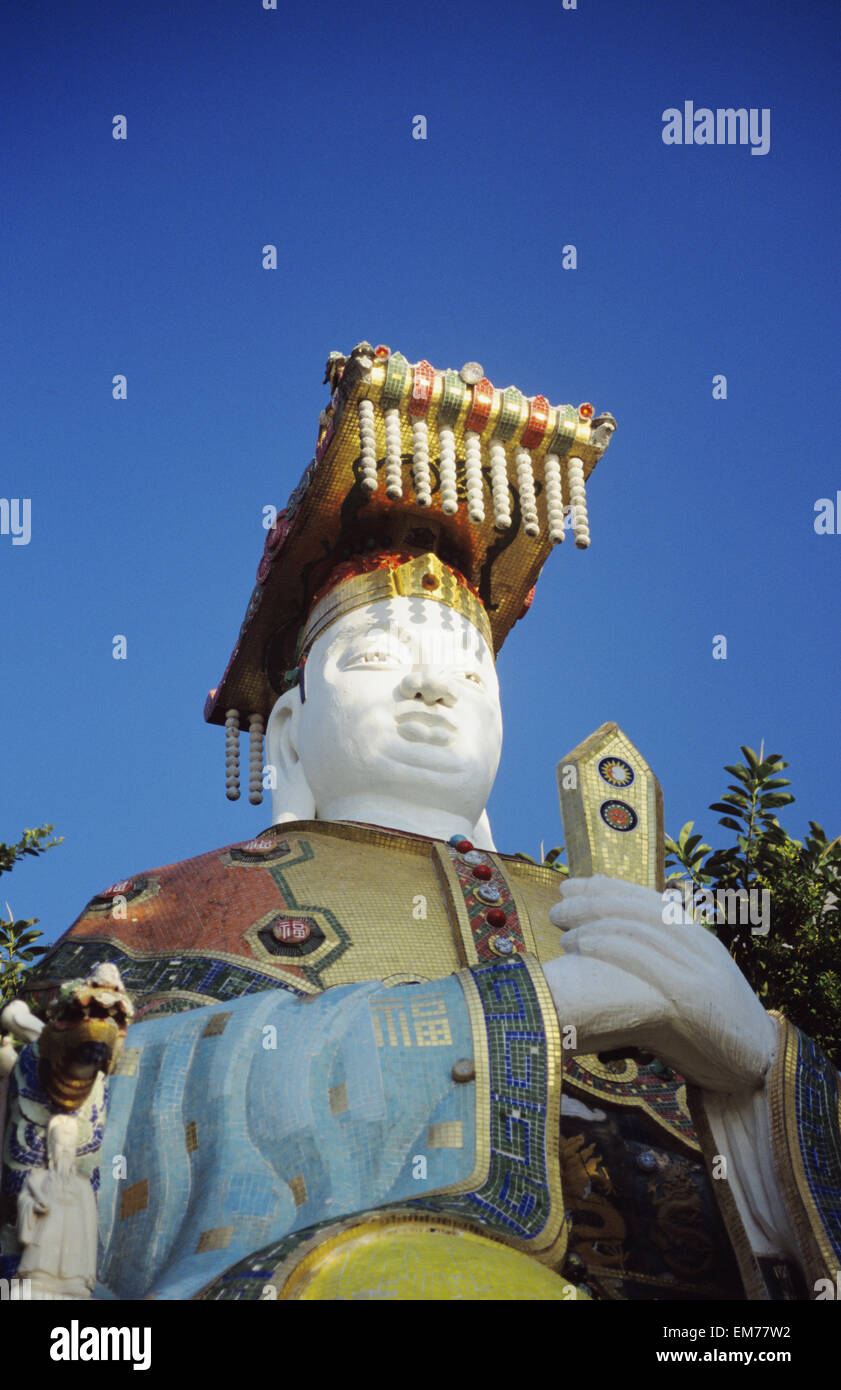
{"x": 367, "y": 446}
{"x": 420, "y": 463}
{"x": 554, "y": 498}
{"x": 528, "y": 503}
{"x": 449, "y": 483}
{"x": 578, "y": 502}
{"x": 473, "y": 476}
{"x": 393, "y": 455}
{"x": 499, "y": 485}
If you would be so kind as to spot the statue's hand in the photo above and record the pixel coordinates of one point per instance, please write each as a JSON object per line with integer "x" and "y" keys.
{"x": 629, "y": 978}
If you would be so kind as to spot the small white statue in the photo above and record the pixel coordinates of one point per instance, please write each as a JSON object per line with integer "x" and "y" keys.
{"x": 57, "y": 1224}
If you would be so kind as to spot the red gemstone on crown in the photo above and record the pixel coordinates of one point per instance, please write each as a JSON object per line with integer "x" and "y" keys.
{"x": 483, "y": 871}
{"x": 495, "y": 917}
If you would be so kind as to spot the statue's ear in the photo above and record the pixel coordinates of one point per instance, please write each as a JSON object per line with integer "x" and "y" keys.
{"x": 482, "y": 836}
{"x": 292, "y": 798}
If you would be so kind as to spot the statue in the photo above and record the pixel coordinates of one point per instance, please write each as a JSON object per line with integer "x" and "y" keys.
{"x": 372, "y": 1056}
{"x": 57, "y": 1221}
{"x": 54, "y": 1101}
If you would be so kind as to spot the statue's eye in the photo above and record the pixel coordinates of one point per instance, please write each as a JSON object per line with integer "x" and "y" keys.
{"x": 475, "y": 678}
{"x": 375, "y": 656}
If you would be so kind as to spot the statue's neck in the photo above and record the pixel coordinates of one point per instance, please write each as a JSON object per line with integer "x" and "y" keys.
{"x": 392, "y": 813}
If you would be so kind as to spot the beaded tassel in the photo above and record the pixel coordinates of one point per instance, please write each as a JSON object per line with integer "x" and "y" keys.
{"x": 554, "y": 498}
{"x": 420, "y": 463}
{"x": 528, "y": 502}
{"x": 473, "y": 476}
{"x": 578, "y": 502}
{"x": 499, "y": 486}
{"x": 393, "y": 456}
{"x": 232, "y": 754}
{"x": 449, "y": 488}
{"x": 255, "y": 759}
{"x": 367, "y": 446}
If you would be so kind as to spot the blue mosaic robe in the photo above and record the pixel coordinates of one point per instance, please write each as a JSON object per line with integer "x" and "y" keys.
{"x": 235, "y": 1131}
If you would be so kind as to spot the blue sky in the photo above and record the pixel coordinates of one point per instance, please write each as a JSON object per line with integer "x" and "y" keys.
{"x": 294, "y": 127}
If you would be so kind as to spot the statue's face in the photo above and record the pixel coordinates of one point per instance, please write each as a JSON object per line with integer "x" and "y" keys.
{"x": 402, "y": 701}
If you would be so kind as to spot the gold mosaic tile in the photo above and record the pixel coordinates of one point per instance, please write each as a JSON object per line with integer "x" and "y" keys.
{"x": 338, "y": 1099}
{"x": 127, "y": 1064}
{"x": 298, "y": 1189}
{"x": 216, "y": 1025}
{"x": 447, "y": 1135}
{"x": 217, "y": 1238}
{"x": 134, "y": 1198}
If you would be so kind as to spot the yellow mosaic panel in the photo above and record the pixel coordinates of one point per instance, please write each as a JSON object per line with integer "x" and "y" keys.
{"x": 405, "y": 928}
{"x": 420, "y": 1259}
{"x": 612, "y": 810}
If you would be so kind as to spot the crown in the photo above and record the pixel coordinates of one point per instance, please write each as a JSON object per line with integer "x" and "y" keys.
{"x": 392, "y": 576}
{"x": 469, "y": 484}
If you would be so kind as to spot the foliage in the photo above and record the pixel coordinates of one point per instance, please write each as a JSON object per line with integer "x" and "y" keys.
{"x": 550, "y": 860}
{"x": 796, "y": 966}
{"x": 17, "y": 938}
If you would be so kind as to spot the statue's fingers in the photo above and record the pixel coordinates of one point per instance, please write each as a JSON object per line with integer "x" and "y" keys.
{"x": 602, "y": 884}
{"x": 639, "y": 948}
{"x": 594, "y": 901}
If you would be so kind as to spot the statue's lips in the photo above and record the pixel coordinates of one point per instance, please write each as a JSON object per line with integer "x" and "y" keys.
{"x": 421, "y": 726}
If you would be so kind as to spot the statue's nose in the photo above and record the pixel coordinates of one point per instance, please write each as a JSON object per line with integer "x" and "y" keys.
{"x": 431, "y": 686}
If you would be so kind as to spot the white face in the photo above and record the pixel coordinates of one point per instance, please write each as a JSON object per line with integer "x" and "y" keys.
{"x": 402, "y": 704}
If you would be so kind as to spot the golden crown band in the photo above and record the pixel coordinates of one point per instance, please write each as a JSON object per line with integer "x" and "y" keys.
{"x": 423, "y": 577}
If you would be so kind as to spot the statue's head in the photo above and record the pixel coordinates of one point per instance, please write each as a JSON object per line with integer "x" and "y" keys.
{"x": 395, "y": 719}
{"x": 387, "y": 585}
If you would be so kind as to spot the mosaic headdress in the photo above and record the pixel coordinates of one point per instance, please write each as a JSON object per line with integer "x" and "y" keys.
{"x": 424, "y": 482}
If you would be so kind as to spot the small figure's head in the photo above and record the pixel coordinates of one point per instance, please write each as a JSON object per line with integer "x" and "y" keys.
{"x": 396, "y": 721}
{"x": 62, "y": 1138}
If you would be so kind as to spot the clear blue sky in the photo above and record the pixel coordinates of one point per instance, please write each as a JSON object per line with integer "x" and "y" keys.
{"x": 142, "y": 256}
